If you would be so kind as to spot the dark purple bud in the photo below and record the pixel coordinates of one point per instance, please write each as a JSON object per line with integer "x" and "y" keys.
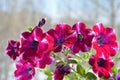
{"x": 42, "y": 22}
{"x": 63, "y": 69}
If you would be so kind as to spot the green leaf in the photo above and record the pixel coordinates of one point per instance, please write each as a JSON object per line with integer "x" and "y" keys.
{"x": 117, "y": 57}
{"x": 118, "y": 71}
{"x": 71, "y": 77}
{"x": 30, "y": 28}
{"x": 48, "y": 73}
{"x": 87, "y": 55}
{"x": 67, "y": 78}
{"x": 49, "y": 78}
{"x": 66, "y": 51}
{"x": 73, "y": 61}
{"x": 60, "y": 62}
{"x": 114, "y": 69}
{"x": 91, "y": 76}
{"x": 80, "y": 70}
{"x": 78, "y": 57}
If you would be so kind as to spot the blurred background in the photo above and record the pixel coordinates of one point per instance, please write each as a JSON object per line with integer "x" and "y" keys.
{"x": 17, "y": 15}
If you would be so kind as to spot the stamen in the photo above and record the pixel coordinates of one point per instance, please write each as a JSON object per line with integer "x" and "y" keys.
{"x": 35, "y": 44}
{"x": 101, "y": 62}
{"x": 100, "y": 40}
{"x": 14, "y": 49}
{"x": 80, "y": 37}
{"x": 60, "y": 41}
{"x": 30, "y": 71}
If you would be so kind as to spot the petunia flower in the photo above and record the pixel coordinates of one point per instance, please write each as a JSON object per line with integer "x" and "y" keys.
{"x": 60, "y": 71}
{"x": 44, "y": 59}
{"x": 83, "y": 38}
{"x": 25, "y": 71}
{"x": 13, "y": 49}
{"x": 101, "y": 65}
{"x": 62, "y": 35}
{"x": 34, "y": 44}
{"x": 105, "y": 39}
{"x": 116, "y": 78}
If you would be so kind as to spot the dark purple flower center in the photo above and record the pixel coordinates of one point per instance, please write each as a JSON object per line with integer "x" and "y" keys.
{"x": 35, "y": 44}
{"x": 100, "y": 40}
{"x": 60, "y": 41}
{"x": 29, "y": 70}
{"x": 14, "y": 49}
{"x": 80, "y": 37}
{"x": 63, "y": 69}
{"x": 101, "y": 62}
{"x": 118, "y": 78}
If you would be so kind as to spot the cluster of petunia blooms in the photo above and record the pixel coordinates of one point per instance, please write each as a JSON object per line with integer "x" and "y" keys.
{"x": 38, "y": 48}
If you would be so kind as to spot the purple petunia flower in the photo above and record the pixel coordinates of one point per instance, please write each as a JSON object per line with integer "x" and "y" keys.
{"x": 101, "y": 64}
{"x": 62, "y": 36}
{"x": 83, "y": 38}
{"x": 13, "y": 49}
{"x": 33, "y": 44}
{"x": 44, "y": 59}
{"x": 105, "y": 39}
{"x": 60, "y": 71}
{"x": 25, "y": 71}
{"x": 116, "y": 78}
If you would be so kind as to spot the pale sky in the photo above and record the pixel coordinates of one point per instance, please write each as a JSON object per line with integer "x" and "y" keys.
{"x": 59, "y": 8}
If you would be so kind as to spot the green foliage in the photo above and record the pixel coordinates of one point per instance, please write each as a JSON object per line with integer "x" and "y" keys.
{"x": 117, "y": 57}
{"x": 73, "y": 61}
{"x": 114, "y": 69}
{"x": 60, "y": 62}
{"x": 87, "y": 54}
{"x": 118, "y": 71}
{"x": 30, "y": 28}
{"x": 90, "y": 76}
{"x": 81, "y": 70}
{"x": 78, "y": 58}
{"x": 73, "y": 76}
{"x": 67, "y": 78}
{"x": 49, "y": 74}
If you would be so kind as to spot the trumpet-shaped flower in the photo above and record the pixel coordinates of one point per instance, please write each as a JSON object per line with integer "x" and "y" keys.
{"x": 60, "y": 71}
{"x": 101, "y": 65}
{"x": 83, "y": 38}
{"x": 24, "y": 71}
{"x": 105, "y": 39}
{"x": 62, "y": 36}
{"x": 13, "y": 49}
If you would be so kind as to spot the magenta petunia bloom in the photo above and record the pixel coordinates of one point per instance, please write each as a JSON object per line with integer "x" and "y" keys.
{"x": 36, "y": 47}
{"x": 101, "y": 65}
{"x": 13, "y": 49}
{"x": 25, "y": 71}
{"x": 105, "y": 39}
{"x": 44, "y": 59}
{"x": 33, "y": 43}
{"x": 83, "y": 38}
{"x": 62, "y": 36}
{"x": 60, "y": 71}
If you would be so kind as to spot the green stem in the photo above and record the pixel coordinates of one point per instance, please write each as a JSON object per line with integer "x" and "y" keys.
{"x": 56, "y": 56}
